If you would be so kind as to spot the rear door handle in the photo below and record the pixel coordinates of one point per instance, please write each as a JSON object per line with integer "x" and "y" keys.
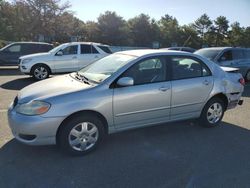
{"x": 164, "y": 89}
{"x": 206, "y": 82}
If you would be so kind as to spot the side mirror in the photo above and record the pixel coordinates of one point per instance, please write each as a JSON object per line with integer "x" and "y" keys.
{"x": 125, "y": 81}
{"x": 59, "y": 53}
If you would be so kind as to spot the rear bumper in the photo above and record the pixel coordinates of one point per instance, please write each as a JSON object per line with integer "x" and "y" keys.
{"x": 234, "y": 103}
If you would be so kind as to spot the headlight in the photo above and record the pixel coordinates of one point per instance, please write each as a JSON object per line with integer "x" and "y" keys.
{"x": 26, "y": 61}
{"x": 33, "y": 108}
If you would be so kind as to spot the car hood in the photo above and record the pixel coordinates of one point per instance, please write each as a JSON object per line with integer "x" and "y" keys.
{"x": 51, "y": 87}
{"x": 36, "y": 55}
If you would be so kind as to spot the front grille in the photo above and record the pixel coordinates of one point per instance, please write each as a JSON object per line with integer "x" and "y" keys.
{"x": 15, "y": 101}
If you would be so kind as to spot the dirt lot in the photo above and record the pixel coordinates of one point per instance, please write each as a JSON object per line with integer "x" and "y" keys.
{"x": 171, "y": 155}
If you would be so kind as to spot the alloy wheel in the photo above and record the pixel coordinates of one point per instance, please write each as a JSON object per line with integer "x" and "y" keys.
{"x": 214, "y": 113}
{"x": 41, "y": 73}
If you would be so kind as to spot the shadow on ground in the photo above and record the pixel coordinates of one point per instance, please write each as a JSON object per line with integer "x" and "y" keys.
{"x": 171, "y": 155}
{"x": 18, "y": 83}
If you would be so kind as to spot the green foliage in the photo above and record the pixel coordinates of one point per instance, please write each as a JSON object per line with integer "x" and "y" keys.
{"x": 112, "y": 28}
{"x": 29, "y": 19}
{"x": 202, "y": 25}
{"x": 141, "y": 30}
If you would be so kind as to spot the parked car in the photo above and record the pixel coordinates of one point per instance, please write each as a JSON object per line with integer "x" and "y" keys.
{"x": 229, "y": 57}
{"x": 185, "y": 49}
{"x": 65, "y": 58}
{"x": 125, "y": 90}
{"x": 10, "y": 54}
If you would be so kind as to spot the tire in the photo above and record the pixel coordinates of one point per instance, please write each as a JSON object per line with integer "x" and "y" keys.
{"x": 80, "y": 134}
{"x": 247, "y": 77}
{"x": 40, "y": 72}
{"x": 212, "y": 113}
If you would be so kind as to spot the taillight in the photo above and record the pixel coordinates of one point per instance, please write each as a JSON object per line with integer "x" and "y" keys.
{"x": 242, "y": 81}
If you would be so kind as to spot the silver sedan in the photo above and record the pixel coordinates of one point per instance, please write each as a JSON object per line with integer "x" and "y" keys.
{"x": 123, "y": 91}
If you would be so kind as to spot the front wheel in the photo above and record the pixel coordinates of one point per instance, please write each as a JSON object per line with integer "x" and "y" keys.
{"x": 40, "y": 72}
{"x": 212, "y": 113}
{"x": 81, "y": 134}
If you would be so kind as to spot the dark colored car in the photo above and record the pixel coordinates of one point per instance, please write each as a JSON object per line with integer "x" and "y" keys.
{"x": 10, "y": 54}
{"x": 185, "y": 49}
{"x": 229, "y": 57}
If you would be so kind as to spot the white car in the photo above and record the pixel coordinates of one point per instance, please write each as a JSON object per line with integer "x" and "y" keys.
{"x": 67, "y": 57}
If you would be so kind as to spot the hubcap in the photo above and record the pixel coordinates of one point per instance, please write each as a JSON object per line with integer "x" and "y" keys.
{"x": 40, "y": 73}
{"x": 83, "y": 136}
{"x": 214, "y": 113}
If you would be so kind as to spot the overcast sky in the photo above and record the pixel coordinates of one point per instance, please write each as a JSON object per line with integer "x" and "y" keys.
{"x": 186, "y": 11}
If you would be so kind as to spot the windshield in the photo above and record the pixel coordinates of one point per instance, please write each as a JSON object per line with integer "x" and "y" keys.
{"x": 3, "y": 48}
{"x": 208, "y": 53}
{"x": 105, "y": 67}
{"x": 56, "y": 49}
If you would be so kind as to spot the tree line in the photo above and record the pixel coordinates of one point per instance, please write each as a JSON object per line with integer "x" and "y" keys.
{"x": 25, "y": 20}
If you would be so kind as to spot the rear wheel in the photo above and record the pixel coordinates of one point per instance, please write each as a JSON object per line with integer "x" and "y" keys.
{"x": 40, "y": 72}
{"x": 81, "y": 134}
{"x": 212, "y": 113}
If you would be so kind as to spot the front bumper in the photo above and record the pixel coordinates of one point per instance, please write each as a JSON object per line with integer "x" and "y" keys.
{"x": 33, "y": 130}
{"x": 24, "y": 69}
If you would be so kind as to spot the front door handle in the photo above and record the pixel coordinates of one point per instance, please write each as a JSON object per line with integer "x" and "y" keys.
{"x": 74, "y": 57}
{"x": 164, "y": 88}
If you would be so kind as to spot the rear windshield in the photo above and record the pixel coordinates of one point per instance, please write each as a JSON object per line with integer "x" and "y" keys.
{"x": 105, "y": 49}
{"x": 208, "y": 53}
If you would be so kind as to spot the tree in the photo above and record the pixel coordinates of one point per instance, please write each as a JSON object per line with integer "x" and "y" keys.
{"x": 236, "y": 35}
{"x": 141, "y": 30}
{"x": 113, "y": 28}
{"x": 203, "y": 27}
{"x": 92, "y": 32}
{"x": 170, "y": 31}
{"x": 247, "y": 37}
{"x": 189, "y": 37}
{"x": 29, "y": 18}
{"x": 6, "y": 17}
{"x": 220, "y": 29}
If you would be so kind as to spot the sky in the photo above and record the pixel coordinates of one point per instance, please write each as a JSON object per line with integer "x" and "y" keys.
{"x": 186, "y": 11}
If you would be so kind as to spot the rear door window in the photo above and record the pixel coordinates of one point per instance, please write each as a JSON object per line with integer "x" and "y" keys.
{"x": 88, "y": 49}
{"x": 187, "y": 67}
{"x": 238, "y": 54}
{"x": 45, "y": 48}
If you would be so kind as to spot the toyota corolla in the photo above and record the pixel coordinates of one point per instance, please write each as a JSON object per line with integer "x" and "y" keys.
{"x": 123, "y": 91}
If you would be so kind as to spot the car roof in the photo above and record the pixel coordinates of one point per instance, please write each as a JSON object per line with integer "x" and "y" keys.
{"x": 44, "y": 43}
{"x": 92, "y": 43}
{"x": 139, "y": 53}
{"x": 221, "y": 48}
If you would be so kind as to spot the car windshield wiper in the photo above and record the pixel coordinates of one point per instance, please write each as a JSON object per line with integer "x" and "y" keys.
{"x": 82, "y": 78}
